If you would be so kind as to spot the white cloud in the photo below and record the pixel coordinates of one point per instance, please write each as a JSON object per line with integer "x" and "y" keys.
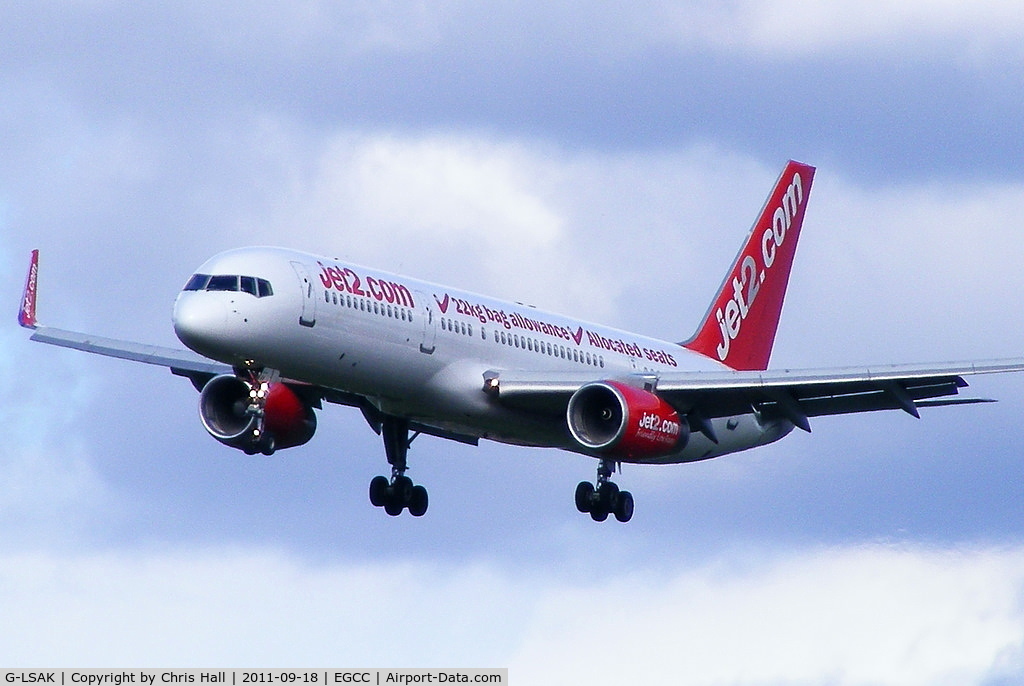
{"x": 251, "y": 607}
{"x": 857, "y": 615}
{"x": 794, "y": 28}
{"x": 441, "y": 190}
{"x": 459, "y": 209}
{"x": 867, "y": 615}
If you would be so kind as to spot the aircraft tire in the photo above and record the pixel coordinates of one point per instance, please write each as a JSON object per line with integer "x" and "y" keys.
{"x": 401, "y": 490}
{"x": 624, "y": 508}
{"x": 599, "y": 514}
{"x": 608, "y": 496}
{"x": 584, "y": 496}
{"x": 393, "y": 507}
{"x": 379, "y": 491}
{"x": 418, "y": 502}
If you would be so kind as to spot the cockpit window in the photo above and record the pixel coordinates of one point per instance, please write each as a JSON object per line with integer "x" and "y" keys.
{"x": 222, "y": 283}
{"x": 260, "y": 288}
{"x": 249, "y": 284}
{"x": 197, "y": 282}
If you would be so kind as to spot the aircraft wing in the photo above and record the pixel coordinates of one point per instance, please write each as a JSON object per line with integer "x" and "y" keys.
{"x": 795, "y": 395}
{"x": 181, "y": 362}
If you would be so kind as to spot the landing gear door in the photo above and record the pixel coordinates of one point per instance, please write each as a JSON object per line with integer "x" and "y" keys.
{"x": 429, "y": 342}
{"x": 308, "y": 316}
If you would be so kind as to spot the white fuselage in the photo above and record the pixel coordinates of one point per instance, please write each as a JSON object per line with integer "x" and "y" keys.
{"x": 419, "y": 350}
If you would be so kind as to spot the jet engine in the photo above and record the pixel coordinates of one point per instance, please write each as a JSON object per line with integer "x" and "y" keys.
{"x": 255, "y": 417}
{"x": 618, "y": 420}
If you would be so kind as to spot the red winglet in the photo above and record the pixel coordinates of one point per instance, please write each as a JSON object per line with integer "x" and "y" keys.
{"x": 27, "y": 314}
{"x": 740, "y": 326}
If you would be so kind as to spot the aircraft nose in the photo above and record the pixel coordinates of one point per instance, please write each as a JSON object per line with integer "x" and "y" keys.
{"x": 200, "y": 322}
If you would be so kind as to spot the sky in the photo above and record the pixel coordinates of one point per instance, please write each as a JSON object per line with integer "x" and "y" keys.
{"x": 598, "y": 161}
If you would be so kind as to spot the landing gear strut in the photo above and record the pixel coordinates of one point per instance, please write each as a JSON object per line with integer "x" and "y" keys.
{"x": 398, "y": 493}
{"x": 605, "y": 498}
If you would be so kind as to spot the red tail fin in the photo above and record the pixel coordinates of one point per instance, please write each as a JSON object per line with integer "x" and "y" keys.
{"x": 27, "y": 313}
{"x": 740, "y": 327}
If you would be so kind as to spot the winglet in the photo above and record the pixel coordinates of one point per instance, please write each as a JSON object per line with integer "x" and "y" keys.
{"x": 740, "y": 325}
{"x": 27, "y": 314}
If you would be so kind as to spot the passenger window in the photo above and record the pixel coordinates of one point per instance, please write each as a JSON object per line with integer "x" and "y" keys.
{"x": 223, "y": 283}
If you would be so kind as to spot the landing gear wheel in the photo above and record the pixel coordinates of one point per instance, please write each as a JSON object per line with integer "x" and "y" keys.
{"x": 608, "y": 496}
{"x": 418, "y": 502}
{"x": 624, "y": 508}
{"x": 584, "y": 496}
{"x": 604, "y": 497}
{"x": 379, "y": 491}
{"x": 401, "y": 489}
{"x": 393, "y": 507}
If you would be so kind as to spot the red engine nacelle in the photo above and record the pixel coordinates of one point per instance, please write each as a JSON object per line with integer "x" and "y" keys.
{"x": 618, "y": 420}
{"x": 255, "y": 418}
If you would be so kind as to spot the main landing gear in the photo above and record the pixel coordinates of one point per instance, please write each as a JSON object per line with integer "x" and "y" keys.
{"x": 605, "y": 498}
{"x": 398, "y": 493}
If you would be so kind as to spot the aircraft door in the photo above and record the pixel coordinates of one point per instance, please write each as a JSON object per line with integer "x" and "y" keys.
{"x": 308, "y": 316}
{"x": 429, "y": 342}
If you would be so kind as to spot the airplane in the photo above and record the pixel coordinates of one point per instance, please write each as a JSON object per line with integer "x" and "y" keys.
{"x": 271, "y": 334}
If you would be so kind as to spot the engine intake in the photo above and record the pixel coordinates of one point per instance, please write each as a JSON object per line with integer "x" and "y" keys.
{"x": 255, "y": 418}
{"x": 618, "y": 420}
